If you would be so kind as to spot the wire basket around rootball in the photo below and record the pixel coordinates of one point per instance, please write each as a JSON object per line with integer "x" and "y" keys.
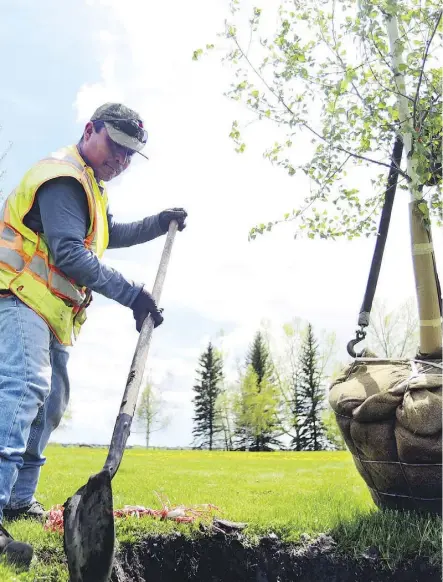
{"x": 390, "y": 415}
{"x": 390, "y": 411}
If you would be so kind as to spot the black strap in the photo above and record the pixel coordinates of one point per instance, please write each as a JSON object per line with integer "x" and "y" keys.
{"x": 365, "y": 309}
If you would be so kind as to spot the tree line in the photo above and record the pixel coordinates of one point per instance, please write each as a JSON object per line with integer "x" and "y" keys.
{"x": 270, "y": 407}
{"x": 279, "y": 400}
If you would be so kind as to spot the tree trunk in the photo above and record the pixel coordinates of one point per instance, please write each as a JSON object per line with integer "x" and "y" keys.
{"x": 425, "y": 282}
{"x": 148, "y": 433}
{"x": 421, "y": 241}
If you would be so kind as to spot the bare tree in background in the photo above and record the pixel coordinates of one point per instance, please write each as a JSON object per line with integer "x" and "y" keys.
{"x": 225, "y": 412}
{"x": 394, "y": 333}
{"x": 150, "y": 412}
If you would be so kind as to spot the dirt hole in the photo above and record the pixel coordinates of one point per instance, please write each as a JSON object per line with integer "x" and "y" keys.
{"x": 228, "y": 558}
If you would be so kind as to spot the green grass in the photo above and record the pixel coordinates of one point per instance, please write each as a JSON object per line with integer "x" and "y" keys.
{"x": 284, "y": 493}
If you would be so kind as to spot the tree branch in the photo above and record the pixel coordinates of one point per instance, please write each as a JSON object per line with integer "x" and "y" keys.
{"x": 428, "y": 45}
{"x": 366, "y": 159}
{"x": 279, "y": 98}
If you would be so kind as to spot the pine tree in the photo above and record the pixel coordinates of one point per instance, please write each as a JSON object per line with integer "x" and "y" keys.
{"x": 311, "y": 436}
{"x": 208, "y": 388}
{"x": 267, "y": 399}
{"x": 259, "y": 358}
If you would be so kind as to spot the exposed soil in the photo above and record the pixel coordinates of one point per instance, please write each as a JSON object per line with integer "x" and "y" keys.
{"x": 227, "y": 558}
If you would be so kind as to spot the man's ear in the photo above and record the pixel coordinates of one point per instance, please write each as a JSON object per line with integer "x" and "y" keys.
{"x": 88, "y": 131}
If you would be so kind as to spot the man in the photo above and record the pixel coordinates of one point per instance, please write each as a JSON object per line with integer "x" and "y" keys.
{"x": 54, "y": 228}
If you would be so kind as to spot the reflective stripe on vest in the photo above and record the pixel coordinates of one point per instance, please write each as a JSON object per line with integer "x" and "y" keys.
{"x": 56, "y": 282}
{"x": 8, "y": 234}
{"x": 11, "y": 258}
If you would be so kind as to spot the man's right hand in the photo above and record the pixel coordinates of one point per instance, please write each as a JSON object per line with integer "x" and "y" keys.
{"x": 143, "y": 304}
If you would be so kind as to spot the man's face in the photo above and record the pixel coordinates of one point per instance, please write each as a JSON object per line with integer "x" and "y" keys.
{"x": 106, "y": 158}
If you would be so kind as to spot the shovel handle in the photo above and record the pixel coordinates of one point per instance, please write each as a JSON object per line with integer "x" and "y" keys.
{"x": 123, "y": 423}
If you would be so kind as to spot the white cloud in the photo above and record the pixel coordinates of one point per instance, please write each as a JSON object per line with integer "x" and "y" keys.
{"x": 216, "y": 279}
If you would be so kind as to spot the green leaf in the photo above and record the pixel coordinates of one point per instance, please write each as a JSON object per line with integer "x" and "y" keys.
{"x": 197, "y": 54}
{"x": 232, "y": 31}
{"x": 423, "y": 207}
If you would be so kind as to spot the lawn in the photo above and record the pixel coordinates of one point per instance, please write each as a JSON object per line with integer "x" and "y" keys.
{"x": 288, "y": 494}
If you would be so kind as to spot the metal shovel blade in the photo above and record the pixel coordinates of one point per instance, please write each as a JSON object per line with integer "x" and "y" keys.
{"x": 89, "y": 532}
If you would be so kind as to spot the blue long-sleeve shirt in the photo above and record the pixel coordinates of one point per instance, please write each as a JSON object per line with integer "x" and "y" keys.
{"x": 60, "y": 212}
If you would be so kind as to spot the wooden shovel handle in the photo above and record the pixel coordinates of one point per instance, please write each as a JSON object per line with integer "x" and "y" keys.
{"x": 123, "y": 423}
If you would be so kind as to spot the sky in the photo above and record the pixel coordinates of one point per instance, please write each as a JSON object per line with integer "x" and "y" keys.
{"x": 66, "y": 59}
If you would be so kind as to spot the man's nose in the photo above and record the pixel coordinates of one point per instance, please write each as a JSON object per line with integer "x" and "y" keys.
{"x": 120, "y": 158}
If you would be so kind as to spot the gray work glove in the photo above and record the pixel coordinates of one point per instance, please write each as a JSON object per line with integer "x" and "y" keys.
{"x": 178, "y": 214}
{"x": 143, "y": 304}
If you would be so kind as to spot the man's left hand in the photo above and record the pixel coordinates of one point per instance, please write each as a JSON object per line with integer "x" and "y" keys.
{"x": 178, "y": 214}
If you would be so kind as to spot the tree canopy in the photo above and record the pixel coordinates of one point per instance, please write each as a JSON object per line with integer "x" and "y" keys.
{"x": 341, "y": 80}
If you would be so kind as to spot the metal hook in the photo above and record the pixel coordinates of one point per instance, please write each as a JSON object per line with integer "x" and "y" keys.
{"x": 360, "y": 335}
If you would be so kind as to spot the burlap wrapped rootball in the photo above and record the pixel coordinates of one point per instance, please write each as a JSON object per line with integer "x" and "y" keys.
{"x": 390, "y": 415}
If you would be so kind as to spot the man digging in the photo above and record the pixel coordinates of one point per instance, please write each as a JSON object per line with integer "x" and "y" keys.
{"x": 54, "y": 229}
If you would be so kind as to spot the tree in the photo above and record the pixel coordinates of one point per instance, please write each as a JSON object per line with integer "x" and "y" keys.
{"x": 207, "y": 422}
{"x": 351, "y": 76}
{"x": 311, "y": 395}
{"x": 150, "y": 412}
{"x": 288, "y": 374}
{"x": 259, "y": 358}
{"x": 393, "y": 333}
{"x": 225, "y": 413}
{"x": 289, "y": 384}
{"x": 332, "y": 430}
{"x": 256, "y": 407}
{"x": 266, "y": 399}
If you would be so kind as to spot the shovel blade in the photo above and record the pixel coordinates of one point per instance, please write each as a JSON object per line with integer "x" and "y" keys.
{"x": 89, "y": 532}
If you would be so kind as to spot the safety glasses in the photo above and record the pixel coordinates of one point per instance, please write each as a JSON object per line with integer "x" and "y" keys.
{"x": 119, "y": 149}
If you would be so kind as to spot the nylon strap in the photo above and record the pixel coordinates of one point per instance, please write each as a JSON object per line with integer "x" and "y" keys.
{"x": 365, "y": 310}
{"x": 385, "y": 218}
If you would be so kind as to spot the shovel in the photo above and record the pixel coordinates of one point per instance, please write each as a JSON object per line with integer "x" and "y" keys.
{"x": 88, "y": 518}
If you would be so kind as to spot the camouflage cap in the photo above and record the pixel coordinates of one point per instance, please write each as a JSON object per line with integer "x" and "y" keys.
{"x": 123, "y": 125}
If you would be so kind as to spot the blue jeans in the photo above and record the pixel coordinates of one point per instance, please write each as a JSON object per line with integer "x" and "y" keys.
{"x": 34, "y": 394}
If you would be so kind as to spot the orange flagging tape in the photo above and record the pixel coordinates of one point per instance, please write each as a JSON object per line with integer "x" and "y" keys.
{"x": 179, "y": 513}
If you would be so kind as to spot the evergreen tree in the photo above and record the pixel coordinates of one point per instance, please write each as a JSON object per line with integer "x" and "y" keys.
{"x": 208, "y": 387}
{"x": 311, "y": 435}
{"x": 267, "y": 398}
{"x": 259, "y": 358}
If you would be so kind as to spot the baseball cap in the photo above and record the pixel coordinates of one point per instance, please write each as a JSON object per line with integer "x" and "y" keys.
{"x": 123, "y": 125}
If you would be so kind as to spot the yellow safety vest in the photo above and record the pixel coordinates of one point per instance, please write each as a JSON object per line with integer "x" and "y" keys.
{"x": 26, "y": 265}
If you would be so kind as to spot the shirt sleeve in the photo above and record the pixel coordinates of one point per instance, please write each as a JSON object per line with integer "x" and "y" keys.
{"x": 65, "y": 220}
{"x": 132, "y": 233}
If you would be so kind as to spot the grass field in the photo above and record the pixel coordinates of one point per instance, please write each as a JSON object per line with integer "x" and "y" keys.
{"x": 284, "y": 493}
